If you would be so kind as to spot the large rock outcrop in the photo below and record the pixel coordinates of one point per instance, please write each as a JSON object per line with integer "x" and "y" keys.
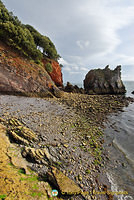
{"x": 104, "y": 81}
{"x": 20, "y": 75}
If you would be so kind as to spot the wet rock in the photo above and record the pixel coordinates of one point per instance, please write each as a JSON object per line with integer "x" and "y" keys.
{"x": 74, "y": 89}
{"x": 104, "y": 81}
{"x": 63, "y": 183}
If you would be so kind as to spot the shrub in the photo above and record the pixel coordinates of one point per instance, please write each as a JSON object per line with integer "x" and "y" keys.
{"x": 49, "y": 67}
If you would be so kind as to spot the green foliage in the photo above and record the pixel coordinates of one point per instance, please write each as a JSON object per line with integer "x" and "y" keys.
{"x": 36, "y": 194}
{"x": 44, "y": 43}
{"x": 49, "y": 67}
{"x": 30, "y": 178}
{"x": 21, "y": 171}
{"x": 24, "y": 38}
{"x": 3, "y": 196}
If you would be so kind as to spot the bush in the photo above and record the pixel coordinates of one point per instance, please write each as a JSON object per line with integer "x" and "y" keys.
{"x": 25, "y": 38}
{"x": 49, "y": 67}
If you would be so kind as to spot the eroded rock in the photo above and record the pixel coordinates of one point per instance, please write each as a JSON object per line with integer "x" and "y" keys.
{"x": 73, "y": 88}
{"x": 104, "y": 81}
{"x": 19, "y": 132}
{"x": 37, "y": 155}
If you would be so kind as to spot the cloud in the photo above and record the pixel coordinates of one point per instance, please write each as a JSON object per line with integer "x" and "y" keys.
{"x": 82, "y": 44}
{"x": 87, "y": 34}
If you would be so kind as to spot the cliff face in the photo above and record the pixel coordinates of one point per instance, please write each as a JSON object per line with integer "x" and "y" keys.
{"x": 104, "y": 81}
{"x": 56, "y": 74}
{"x": 18, "y": 74}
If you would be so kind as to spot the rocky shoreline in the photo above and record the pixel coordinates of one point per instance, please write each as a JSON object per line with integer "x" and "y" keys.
{"x": 63, "y": 134}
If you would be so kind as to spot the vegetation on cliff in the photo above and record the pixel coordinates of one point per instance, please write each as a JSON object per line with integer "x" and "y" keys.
{"x": 24, "y": 38}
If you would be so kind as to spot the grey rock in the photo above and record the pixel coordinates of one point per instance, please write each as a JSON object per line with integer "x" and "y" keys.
{"x": 104, "y": 81}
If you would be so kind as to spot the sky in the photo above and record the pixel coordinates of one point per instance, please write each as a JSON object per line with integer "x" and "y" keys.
{"x": 88, "y": 34}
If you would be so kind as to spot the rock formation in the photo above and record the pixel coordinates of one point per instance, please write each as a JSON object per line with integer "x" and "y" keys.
{"x": 63, "y": 183}
{"x": 74, "y": 89}
{"x": 20, "y": 75}
{"x": 104, "y": 81}
{"x": 56, "y": 74}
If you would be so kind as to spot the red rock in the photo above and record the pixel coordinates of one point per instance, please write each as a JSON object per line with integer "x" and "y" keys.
{"x": 18, "y": 74}
{"x": 56, "y": 74}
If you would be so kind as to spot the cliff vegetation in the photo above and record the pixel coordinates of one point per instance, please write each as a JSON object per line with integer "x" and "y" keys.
{"x": 24, "y": 38}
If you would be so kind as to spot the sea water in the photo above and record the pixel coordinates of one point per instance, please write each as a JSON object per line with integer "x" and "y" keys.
{"x": 119, "y": 136}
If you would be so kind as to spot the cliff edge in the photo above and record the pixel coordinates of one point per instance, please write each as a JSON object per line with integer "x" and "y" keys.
{"x": 21, "y": 75}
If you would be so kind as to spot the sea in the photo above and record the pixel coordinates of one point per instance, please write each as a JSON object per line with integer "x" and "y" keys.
{"x": 119, "y": 137}
{"x": 119, "y": 144}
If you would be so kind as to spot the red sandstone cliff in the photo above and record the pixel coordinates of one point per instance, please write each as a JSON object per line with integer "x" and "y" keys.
{"x": 56, "y": 74}
{"x": 18, "y": 74}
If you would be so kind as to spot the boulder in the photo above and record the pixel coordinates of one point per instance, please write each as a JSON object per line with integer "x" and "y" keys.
{"x": 104, "y": 81}
{"x": 74, "y": 89}
{"x": 57, "y": 92}
{"x": 63, "y": 183}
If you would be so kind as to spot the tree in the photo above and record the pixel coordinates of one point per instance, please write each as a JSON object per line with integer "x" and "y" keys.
{"x": 25, "y": 38}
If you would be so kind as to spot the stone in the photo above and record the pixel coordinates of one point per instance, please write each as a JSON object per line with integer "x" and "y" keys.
{"x": 17, "y": 138}
{"x": 63, "y": 183}
{"x": 65, "y": 145}
{"x": 57, "y": 92}
{"x": 132, "y": 92}
{"x": 19, "y": 132}
{"x": 74, "y": 89}
{"x": 37, "y": 155}
{"x": 104, "y": 81}
{"x": 2, "y": 120}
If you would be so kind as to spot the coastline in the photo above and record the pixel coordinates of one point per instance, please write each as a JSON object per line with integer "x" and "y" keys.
{"x": 73, "y": 133}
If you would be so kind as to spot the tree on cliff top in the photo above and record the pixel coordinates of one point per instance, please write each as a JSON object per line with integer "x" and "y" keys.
{"x": 24, "y": 38}
{"x": 43, "y": 42}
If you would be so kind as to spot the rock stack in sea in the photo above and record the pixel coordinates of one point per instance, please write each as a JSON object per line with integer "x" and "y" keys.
{"x": 104, "y": 81}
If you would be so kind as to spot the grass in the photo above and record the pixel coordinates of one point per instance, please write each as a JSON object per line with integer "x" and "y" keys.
{"x": 3, "y": 196}
{"x": 36, "y": 194}
{"x": 21, "y": 171}
{"x": 35, "y": 187}
{"x": 30, "y": 178}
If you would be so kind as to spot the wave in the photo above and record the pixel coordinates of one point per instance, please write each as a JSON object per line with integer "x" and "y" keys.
{"x": 124, "y": 151}
{"x": 119, "y": 194}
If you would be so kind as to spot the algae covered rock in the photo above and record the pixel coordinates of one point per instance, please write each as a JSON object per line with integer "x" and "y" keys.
{"x": 63, "y": 183}
{"x": 104, "y": 81}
